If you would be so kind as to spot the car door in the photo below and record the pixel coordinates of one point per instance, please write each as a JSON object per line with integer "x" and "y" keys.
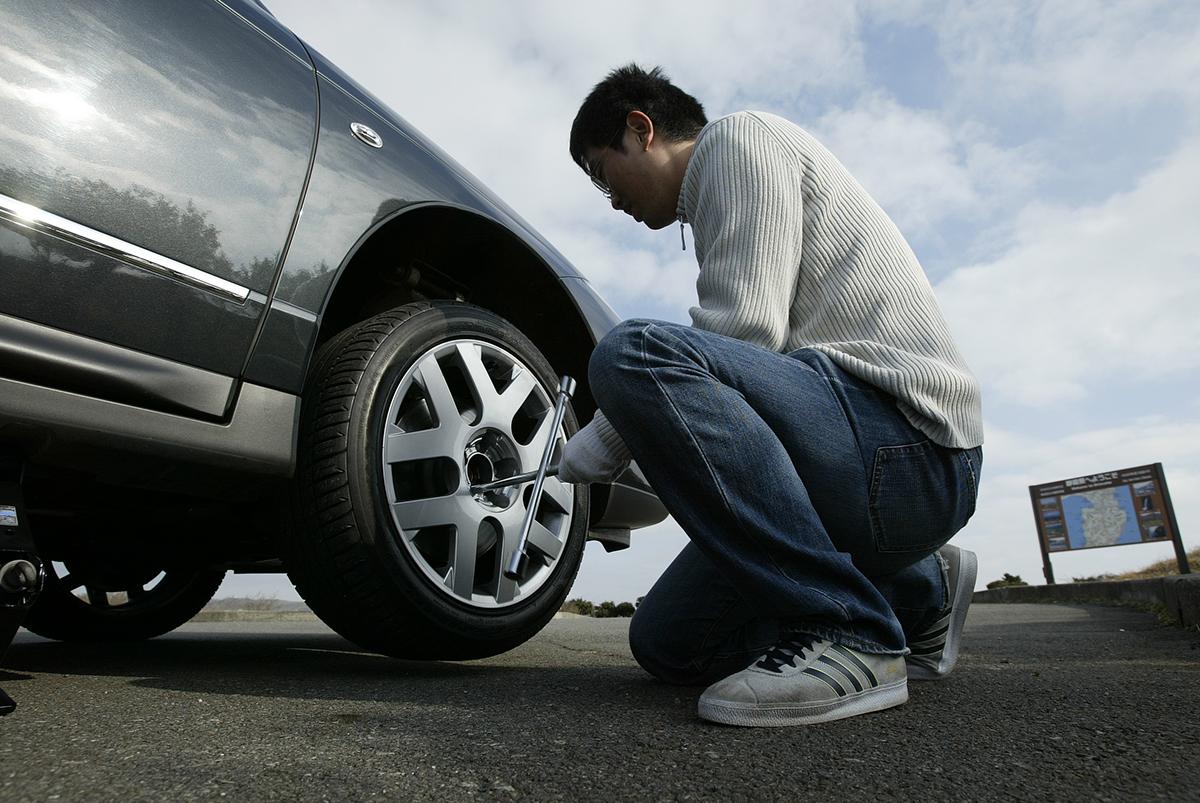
{"x": 153, "y": 156}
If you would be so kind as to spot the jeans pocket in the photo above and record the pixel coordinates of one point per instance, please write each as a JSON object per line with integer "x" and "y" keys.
{"x": 921, "y": 494}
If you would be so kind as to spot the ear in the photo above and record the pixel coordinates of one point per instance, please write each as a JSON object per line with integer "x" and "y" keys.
{"x": 642, "y": 127}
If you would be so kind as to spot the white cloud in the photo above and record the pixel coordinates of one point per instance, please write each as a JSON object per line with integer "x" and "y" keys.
{"x": 1088, "y": 297}
{"x": 498, "y": 85}
{"x": 634, "y": 279}
{"x": 1084, "y": 56}
{"x": 921, "y": 169}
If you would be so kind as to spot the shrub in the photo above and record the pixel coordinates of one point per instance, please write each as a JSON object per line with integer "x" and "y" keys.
{"x": 1007, "y": 580}
{"x": 1097, "y": 579}
{"x": 580, "y": 606}
{"x": 606, "y": 610}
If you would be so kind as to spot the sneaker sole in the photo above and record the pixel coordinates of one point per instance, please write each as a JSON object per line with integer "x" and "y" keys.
{"x": 777, "y": 715}
{"x": 968, "y": 569}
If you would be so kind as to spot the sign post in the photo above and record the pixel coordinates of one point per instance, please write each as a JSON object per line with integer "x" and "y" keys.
{"x": 1129, "y": 506}
{"x": 1180, "y": 552}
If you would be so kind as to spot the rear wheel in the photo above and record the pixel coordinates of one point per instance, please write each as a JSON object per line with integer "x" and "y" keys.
{"x": 403, "y": 413}
{"x": 95, "y": 600}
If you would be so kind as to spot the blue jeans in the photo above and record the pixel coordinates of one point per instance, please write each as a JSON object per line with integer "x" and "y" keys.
{"x": 810, "y": 502}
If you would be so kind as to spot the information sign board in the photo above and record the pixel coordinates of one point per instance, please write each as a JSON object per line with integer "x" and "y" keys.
{"x": 1128, "y": 506}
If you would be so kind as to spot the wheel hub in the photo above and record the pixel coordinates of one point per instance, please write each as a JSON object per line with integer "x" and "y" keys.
{"x": 492, "y": 455}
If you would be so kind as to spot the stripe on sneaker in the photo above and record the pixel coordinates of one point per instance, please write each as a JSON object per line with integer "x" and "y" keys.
{"x": 930, "y": 635}
{"x": 931, "y": 650}
{"x": 936, "y": 642}
{"x": 825, "y": 659}
{"x": 833, "y": 684}
{"x": 940, "y": 626}
{"x": 867, "y": 673}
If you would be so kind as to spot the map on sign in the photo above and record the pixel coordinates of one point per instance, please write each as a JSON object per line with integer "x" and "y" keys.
{"x": 1104, "y": 517}
{"x": 1107, "y": 509}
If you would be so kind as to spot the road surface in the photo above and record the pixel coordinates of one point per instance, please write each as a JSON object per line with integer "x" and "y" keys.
{"x": 1048, "y": 702}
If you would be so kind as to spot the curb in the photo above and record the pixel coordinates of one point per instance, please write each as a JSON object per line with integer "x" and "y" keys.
{"x": 295, "y": 616}
{"x": 1177, "y": 596}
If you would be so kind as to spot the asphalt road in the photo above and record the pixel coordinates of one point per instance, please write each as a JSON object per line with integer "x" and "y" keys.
{"x": 1048, "y": 702}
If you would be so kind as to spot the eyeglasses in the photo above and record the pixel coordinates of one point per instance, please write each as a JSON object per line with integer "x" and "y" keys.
{"x": 599, "y": 183}
{"x": 594, "y": 170}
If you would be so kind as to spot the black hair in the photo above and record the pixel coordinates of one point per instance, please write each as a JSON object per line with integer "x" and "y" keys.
{"x": 600, "y": 122}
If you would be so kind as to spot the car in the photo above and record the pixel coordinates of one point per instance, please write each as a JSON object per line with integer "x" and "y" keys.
{"x": 254, "y": 321}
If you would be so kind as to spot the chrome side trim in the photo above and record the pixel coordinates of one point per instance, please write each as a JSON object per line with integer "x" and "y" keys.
{"x": 294, "y": 311}
{"x": 31, "y": 217}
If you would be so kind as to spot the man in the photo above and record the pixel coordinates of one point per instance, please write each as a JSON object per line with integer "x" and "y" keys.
{"x": 815, "y": 431}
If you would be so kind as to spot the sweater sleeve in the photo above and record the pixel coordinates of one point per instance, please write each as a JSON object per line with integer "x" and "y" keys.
{"x": 606, "y": 438}
{"x": 748, "y": 226}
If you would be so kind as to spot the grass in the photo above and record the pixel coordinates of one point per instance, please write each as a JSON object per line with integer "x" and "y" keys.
{"x": 1163, "y": 568}
{"x": 259, "y": 602}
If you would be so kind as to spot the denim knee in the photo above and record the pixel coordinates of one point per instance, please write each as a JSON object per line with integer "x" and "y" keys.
{"x": 620, "y": 347}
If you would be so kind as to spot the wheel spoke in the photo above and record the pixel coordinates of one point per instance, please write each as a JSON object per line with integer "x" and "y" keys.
{"x": 544, "y": 540}
{"x": 420, "y": 445}
{"x": 427, "y": 513}
{"x": 69, "y": 583}
{"x": 466, "y": 544}
{"x": 437, "y": 391}
{"x": 510, "y": 401}
{"x": 481, "y": 383}
{"x": 97, "y": 597}
{"x": 557, "y": 490}
{"x": 532, "y": 452}
{"x": 506, "y": 590}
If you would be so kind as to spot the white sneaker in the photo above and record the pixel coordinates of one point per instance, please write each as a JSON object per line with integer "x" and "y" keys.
{"x": 802, "y": 681}
{"x": 934, "y": 652}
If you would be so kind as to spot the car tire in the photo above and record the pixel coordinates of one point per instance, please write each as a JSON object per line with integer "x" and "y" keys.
{"x": 388, "y": 545}
{"x": 110, "y": 612}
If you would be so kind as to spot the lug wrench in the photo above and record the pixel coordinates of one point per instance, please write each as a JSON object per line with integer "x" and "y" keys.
{"x": 566, "y": 387}
{"x": 515, "y": 479}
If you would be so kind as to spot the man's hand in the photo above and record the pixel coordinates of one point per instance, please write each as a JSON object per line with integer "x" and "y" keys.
{"x": 585, "y": 459}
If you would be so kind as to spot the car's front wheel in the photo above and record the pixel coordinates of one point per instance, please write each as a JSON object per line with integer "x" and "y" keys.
{"x": 390, "y": 547}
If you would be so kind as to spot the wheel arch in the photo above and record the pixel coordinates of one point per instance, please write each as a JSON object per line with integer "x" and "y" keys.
{"x": 443, "y": 251}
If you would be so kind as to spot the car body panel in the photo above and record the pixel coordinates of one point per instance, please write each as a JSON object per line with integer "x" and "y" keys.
{"x": 81, "y": 291}
{"x": 353, "y": 187}
{"x": 48, "y": 356}
{"x": 258, "y": 438}
{"x": 180, "y": 129}
{"x": 353, "y": 190}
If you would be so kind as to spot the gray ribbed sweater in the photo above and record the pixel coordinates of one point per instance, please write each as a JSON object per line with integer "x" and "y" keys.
{"x": 794, "y": 253}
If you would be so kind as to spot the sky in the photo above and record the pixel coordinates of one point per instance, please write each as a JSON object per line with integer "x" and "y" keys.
{"x": 1043, "y": 160}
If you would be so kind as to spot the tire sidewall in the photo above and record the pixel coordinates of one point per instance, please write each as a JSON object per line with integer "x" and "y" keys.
{"x": 380, "y": 378}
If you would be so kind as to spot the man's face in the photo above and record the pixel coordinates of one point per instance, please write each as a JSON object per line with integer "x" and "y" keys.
{"x": 640, "y": 180}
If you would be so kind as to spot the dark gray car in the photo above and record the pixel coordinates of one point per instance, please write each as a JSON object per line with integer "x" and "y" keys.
{"x": 250, "y": 319}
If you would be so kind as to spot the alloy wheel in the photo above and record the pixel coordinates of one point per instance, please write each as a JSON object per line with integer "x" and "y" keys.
{"x": 466, "y": 412}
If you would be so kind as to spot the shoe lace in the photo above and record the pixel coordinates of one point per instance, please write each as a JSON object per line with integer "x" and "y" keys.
{"x": 785, "y": 652}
